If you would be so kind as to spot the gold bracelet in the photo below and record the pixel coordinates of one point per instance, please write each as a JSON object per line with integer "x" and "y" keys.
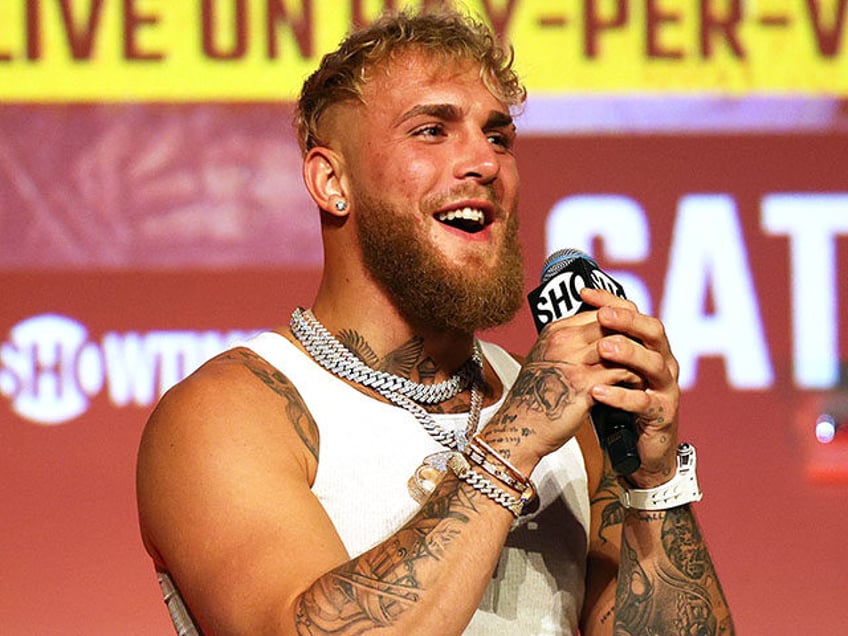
{"x": 480, "y": 453}
{"x": 458, "y": 464}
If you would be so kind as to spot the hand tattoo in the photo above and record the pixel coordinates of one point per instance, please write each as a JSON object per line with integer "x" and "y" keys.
{"x": 543, "y": 388}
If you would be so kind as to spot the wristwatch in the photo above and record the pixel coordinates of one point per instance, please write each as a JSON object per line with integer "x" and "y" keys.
{"x": 682, "y": 489}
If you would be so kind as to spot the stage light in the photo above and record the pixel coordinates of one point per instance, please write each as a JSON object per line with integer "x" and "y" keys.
{"x": 825, "y": 428}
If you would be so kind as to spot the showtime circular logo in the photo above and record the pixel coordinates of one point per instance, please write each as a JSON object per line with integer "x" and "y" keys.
{"x": 51, "y": 367}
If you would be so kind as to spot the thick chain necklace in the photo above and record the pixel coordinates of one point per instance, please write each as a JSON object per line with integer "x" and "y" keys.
{"x": 331, "y": 354}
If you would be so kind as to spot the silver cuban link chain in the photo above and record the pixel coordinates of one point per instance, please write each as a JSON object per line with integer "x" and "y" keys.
{"x": 331, "y": 354}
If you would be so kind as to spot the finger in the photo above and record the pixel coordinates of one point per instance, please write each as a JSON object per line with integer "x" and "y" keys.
{"x": 608, "y": 304}
{"x": 560, "y": 338}
{"x": 630, "y": 400}
{"x": 582, "y": 318}
{"x": 646, "y": 329}
{"x": 658, "y": 370}
{"x": 622, "y": 315}
{"x": 602, "y": 298}
{"x": 650, "y": 407}
{"x": 628, "y": 320}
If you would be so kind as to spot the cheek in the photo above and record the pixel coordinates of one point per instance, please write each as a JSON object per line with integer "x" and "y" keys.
{"x": 509, "y": 177}
{"x": 383, "y": 170}
{"x": 415, "y": 180}
{"x": 405, "y": 177}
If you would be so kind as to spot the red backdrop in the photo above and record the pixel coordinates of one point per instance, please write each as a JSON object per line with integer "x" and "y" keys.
{"x": 135, "y": 240}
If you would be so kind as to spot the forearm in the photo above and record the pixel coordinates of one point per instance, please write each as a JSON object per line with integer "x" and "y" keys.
{"x": 667, "y": 582}
{"x": 427, "y": 578}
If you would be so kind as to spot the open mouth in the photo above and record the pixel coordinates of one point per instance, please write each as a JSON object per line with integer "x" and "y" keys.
{"x": 470, "y": 220}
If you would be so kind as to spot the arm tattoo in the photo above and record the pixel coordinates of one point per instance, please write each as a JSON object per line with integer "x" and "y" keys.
{"x": 296, "y": 410}
{"x": 607, "y": 495}
{"x": 683, "y": 595}
{"x": 376, "y": 588}
{"x": 683, "y": 544}
{"x": 634, "y": 595}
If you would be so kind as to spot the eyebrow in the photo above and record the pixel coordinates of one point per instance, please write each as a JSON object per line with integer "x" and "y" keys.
{"x": 499, "y": 119}
{"x": 450, "y": 112}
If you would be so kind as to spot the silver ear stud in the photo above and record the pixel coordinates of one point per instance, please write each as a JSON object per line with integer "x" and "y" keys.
{"x": 341, "y": 205}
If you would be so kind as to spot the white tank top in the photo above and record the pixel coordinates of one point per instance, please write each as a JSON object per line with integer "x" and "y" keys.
{"x": 368, "y": 451}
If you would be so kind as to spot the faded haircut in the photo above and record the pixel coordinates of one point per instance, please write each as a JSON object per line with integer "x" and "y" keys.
{"x": 446, "y": 33}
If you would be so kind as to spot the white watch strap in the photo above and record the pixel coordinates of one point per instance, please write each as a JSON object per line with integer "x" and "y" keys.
{"x": 682, "y": 489}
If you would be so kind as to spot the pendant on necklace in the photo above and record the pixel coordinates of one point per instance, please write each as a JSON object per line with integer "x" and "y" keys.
{"x": 428, "y": 475}
{"x": 461, "y": 439}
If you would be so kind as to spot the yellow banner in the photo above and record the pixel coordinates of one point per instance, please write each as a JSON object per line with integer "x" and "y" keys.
{"x": 250, "y": 50}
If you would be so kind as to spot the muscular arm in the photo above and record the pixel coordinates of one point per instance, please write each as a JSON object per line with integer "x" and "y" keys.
{"x": 667, "y": 582}
{"x": 650, "y": 572}
{"x": 427, "y": 578}
{"x": 226, "y": 507}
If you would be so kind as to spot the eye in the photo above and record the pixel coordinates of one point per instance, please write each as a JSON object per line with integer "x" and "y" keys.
{"x": 429, "y": 130}
{"x": 501, "y": 139}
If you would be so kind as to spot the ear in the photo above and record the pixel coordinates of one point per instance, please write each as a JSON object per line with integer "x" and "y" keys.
{"x": 323, "y": 170}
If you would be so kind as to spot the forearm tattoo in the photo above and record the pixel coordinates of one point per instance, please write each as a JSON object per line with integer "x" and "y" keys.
{"x": 675, "y": 593}
{"x": 608, "y": 497}
{"x": 376, "y": 588}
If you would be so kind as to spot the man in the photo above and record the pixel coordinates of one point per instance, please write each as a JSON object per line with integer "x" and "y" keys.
{"x": 369, "y": 467}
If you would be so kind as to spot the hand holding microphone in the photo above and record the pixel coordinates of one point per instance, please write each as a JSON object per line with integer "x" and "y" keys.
{"x": 564, "y": 274}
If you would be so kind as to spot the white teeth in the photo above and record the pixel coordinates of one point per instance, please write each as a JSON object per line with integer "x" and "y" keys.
{"x": 468, "y": 214}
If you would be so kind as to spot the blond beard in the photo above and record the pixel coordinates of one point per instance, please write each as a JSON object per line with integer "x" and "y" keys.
{"x": 426, "y": 290}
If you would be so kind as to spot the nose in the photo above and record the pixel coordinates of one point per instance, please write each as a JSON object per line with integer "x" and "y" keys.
{"x": 477, "y": 159}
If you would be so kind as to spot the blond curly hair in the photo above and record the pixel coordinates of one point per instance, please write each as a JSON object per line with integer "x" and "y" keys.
{"x": 447, "y": 33}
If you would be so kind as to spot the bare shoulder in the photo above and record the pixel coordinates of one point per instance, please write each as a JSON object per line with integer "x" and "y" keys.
{"x": 234, "y": 412}
{"x": 223, "y": 484}
{"x": 235, "y": 396}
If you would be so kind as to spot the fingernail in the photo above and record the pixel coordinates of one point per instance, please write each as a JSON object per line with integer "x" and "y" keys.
{"x": 609, "y": 312}
{"x": 600, "y": 391}
{"x": 608, "y": 346}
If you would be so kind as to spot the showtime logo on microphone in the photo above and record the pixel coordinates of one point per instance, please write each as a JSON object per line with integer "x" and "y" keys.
{"x": 51, "y": 369}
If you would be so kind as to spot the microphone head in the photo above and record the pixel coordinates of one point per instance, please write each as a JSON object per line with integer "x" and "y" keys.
{"x": 564, "y": 274}
{"x": 561, "y": 259}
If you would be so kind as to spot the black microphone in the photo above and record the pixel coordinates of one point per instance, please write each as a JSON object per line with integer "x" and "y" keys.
{"x": 564, "y": 274}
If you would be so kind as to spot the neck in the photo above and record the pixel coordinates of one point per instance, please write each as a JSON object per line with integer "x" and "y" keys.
{"x": 348, "y": 352}
{"x": 377, "y": 333}
{"x": 334, "y": 356}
